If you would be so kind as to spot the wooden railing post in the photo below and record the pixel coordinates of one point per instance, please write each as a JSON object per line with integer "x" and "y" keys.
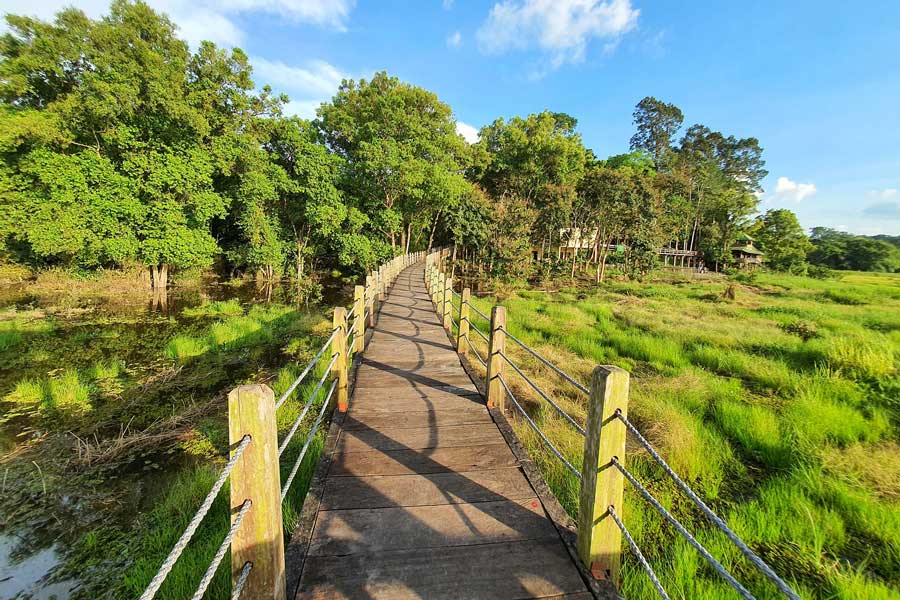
{"x": 259, "y": 539}
{"x": 370, "y": 298}
{"x": 599, "y": 540}
{"x": 496, "y": 396}
{"x": 339, "y": 347}
{"x": 359, "y": 321}
{"x": 435, "y": 278}
{"x": 447, "y": 304}
{"x": 381, "y": 289}
{"x": 462, "y": 345}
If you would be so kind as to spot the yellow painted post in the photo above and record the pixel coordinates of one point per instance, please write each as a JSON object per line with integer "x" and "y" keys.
{"x": 462, "y": 344}
{"x": 259, "y": 539}
{"x": 447, "y": 304}
{"x": 496, "y": 395}
{"x": 599, "y": 541}
{"x": 359, "y": 321}
{"x": 339, "y": 347}
{"x": 370, "y": 298}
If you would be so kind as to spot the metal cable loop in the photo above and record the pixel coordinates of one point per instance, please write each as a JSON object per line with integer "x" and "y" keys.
{"x": 309, "y": 437}
{"x": 543, "y": 437}
{"x": 472, "y": 306}
{"x": 312, "y": 397}
{"x": 638, "y": 554}
{"x": 242, "y": 580}
{"x": 553, "y": 367}
{"x": 191, "y": 528}
{"x": 559, "y": 410}
{"x": 717, "y": 521}
{"x": 220, "y": 553}
{"x": 306, "y": 371}
{"x": 716, "y": 565}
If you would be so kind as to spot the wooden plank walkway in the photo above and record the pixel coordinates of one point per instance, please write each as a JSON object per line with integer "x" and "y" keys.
{"x": 423, "y": 498}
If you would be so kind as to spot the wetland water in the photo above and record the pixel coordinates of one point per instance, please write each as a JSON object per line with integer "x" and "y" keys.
{"x": 105, "y": 399}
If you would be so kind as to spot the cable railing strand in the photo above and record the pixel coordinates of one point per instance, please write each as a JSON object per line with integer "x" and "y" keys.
{"x": 220, "y": 553}
{"x": 550, "y": 365}
{"x": 478, "y": 312}
{"x": 312, "y": 397}
{"x": 309, "y": 438}
{"x": 543, "y": 395}
{"x": 540, "y": 433}
{"x": 475, "y": 352}
{"x": 191, "y": 528}
{"x": 479, "y": 333}
{"x": 716, "y": 520}
{"x": 306, "y": 371}
{"x": 716, "y": 565}
{"x": 242, "y": 580}
{"x": 638, "y": 554}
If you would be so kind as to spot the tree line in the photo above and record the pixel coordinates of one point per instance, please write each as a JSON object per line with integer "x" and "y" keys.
{"x": 123, "y": 146}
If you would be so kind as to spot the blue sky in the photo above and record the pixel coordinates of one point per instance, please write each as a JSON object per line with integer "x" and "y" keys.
{"x": 817, "y": 82}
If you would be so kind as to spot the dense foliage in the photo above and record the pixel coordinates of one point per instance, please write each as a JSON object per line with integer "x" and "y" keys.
{"x": 120, "y": 145}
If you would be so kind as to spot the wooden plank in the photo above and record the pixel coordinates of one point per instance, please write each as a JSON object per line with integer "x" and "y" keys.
{"x": 517, "y": 570}
{"x": 416, "y": 399}
{"x": 438, "y": 460}
{"x": 423, "y": 437}
{"x": 413, "y": 419}
{"x": 356, "y": 531}
{"x": 382, "y": 491}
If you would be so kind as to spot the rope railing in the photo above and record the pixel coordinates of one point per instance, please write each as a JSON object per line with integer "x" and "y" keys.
{"x": 638, "y": 554}
{"x": 765, "y": 569}
{"x": 242, "y": 580}
{"x": 312, "y": 397}
{"x": 599, "y": 534}
{"x": 305, "y": 372}
{"x": 220, "y": 553}
{"x": 548, "y": 364}
{"x": 309, "y": 438}
{"x": 538, "y": 431}
{"x": 191, "y": 528}
{"x": 543, "y": 395}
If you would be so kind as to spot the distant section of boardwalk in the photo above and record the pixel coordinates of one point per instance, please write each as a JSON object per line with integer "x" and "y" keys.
{"x": 422, "y": 497}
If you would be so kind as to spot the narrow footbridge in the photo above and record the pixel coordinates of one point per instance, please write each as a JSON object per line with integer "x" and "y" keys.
{"x": 423, "y": 497}
{"x": 422, "y": 489}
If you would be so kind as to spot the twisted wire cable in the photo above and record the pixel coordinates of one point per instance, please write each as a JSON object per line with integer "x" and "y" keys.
{"x": 189, "y": 531}
{"x": 716, "y": 520}
{"x": 546, "y": 362}
{"x": 309, "y": 438}
{"x": 543, "y": 395}
{"x": 475, "y": 352}
{"x": 716, "y": 565}
{"x": 483, "y": 316}
{"x": 479, "y": 333}
{"x": 220, "y": 553}
{"x": 638, "y": 554}
{"x": 312, "y": 397}
{"x": 540, "y": 433}
{"x": 306, "y": 371}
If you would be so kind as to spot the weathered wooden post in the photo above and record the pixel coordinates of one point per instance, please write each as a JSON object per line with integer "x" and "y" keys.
{"x": 599, "y": 540}
{"x": 381, "y": 283}
{"x": 462, "y": 343}
{"x": 370, "y": 298}
{"x": 427, "y": 277}
{"x": 359, "y": 321}
{"x": 447, "y": 304}
{"x": 259, "y": 539}
{"x": 496, "y": 396}
{"x": 339, "y": 347}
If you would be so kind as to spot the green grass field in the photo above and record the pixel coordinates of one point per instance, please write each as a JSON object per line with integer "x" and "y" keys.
{"x": 781, "y": 408}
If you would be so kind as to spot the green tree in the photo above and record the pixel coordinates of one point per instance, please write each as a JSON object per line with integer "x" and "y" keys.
{"x": 657, "y": 123}
{"x": 404, "y": 161}
{"x": 783, "y": 240}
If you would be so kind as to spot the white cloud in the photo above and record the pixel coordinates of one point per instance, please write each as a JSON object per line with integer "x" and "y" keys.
{"x": 454, "y": 39}
{"x": 447, "y": 4}
{"x": 885, "y": 193}
{"x": 307, "y": 85}
{"x": 205, "y": 19}
{"x": 785, "y": 188}
{"x": 469, "y": 133}
{"x": 561, "y": 28}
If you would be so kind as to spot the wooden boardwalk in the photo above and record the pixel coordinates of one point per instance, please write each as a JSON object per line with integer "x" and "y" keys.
{"x": 419, "y": 495}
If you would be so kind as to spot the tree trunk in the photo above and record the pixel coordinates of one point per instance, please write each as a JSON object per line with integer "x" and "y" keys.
{"x": 434, "y": 228}
{"x": 159, "y": 275}
{"x": 408, "y": 237}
